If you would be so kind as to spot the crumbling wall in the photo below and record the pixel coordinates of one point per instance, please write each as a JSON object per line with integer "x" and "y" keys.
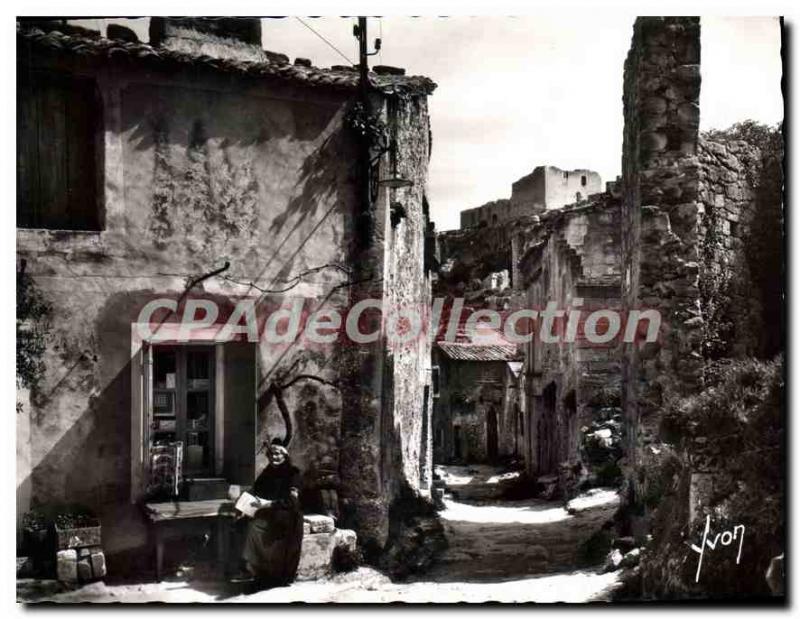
{"x": 469, "y": 390}
{"x": 661, "y": 223}
{"x": 690, "y": 214}
{"x": 572, "y": 258}
{"x": 729, "y": 174}
{"x": 489, "y": 214}
{"x": 466, "y": 255}
{"x": 564, "y": 187}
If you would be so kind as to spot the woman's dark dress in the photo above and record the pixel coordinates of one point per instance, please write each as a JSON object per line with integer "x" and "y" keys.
{"x": 275, "y": 535}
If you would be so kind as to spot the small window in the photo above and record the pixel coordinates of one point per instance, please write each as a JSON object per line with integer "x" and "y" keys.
{"x": 566, "y": 175}
{"x": 435, "y": 380}
{"x": 583, "y": 181}
{"x": 59, "y": 145}
{"x": 734, "y": 229}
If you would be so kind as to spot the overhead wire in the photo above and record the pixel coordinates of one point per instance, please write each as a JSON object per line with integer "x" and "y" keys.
{"x": 327, "y": 42}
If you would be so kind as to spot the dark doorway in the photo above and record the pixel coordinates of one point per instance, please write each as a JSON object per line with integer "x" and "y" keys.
{"x": 570, "y": 429}
{"x": 491, "y": 434}
{"x": 546, "y": 440}
{"x": 457, "y": 442}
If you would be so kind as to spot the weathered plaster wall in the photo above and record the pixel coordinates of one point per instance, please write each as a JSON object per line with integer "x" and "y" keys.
{"x": 407, "y": 285}
{"x": 196, "y": 173}
{"x": 386, "y": 423}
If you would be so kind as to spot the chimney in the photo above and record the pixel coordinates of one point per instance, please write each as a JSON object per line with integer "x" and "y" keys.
{"x": 235, "y": 38}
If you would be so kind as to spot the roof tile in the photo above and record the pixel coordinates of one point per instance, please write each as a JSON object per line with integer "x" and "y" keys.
{"x": 275, "y": 66}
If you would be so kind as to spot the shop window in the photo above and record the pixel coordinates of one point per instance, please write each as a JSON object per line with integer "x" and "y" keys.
{"x": 183, "y": 404}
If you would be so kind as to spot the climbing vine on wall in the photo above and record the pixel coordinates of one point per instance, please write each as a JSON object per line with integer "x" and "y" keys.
{"x": 33, "y": 325}
{"x": 763, "y": 247}
{"x": 715, "y": 289}
{"x": 368, "y": 126}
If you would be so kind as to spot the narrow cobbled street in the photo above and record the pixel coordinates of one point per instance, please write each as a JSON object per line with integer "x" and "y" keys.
{"x": 499, "y": 550}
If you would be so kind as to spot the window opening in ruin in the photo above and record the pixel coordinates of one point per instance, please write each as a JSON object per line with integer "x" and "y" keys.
{"x": 583, "y": 181}
{"x": 59, "y": 152}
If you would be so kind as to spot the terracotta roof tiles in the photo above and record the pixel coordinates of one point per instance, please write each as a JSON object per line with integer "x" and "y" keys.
{"x": 276, "y": 66}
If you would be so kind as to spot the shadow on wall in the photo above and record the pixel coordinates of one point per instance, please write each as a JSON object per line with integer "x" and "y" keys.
{"x": 272, "y": 170}
{"x": 90, "y": 462}
{"x": 319, "y": 182}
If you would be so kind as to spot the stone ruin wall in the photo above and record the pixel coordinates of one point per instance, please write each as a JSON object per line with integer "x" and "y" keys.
{"x": 733, "y": 314}
{"x": 573, "y": 254}
{"x": 688, "y": 209}
{"x": 660, "y": 231}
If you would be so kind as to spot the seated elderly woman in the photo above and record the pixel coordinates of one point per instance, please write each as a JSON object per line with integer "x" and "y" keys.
{"x": 275, "y": 533}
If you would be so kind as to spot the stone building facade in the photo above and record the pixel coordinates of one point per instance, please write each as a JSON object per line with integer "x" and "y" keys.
{"x": 547, "y": 187}
{"x": 570, "y": 259}
{"x": 214, "y": 172}
{"x": 476, "y": 412}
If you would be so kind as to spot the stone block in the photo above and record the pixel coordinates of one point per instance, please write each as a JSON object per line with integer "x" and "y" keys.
{"x": 613, "y": 560}
{"x": 67, "y": 565}
{"x": 316, "y": 556}
{"x": 98, "y": 559}
{"x": 653, "y": 141}
{"x": 84, "y": 569}
{"x": 317, "y": 523}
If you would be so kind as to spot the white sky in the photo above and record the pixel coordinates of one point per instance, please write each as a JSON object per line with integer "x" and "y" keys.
{"x": 517, "y": 92}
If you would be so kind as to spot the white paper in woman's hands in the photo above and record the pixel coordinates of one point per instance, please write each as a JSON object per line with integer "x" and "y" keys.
{"x": 249, "y": 504}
